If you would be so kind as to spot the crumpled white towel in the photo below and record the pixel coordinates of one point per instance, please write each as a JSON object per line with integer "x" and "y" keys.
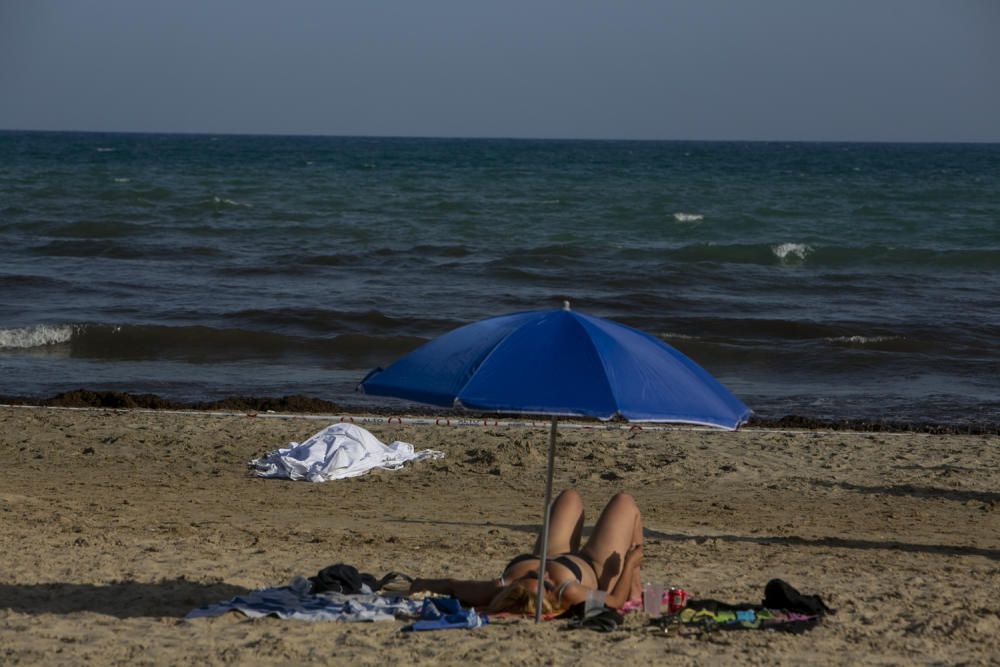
{"x": 338, "y": 451}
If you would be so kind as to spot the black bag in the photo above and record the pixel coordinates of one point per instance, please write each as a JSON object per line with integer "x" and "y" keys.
{"x": 779, "y": 594}
{"x": 342, "y": 578}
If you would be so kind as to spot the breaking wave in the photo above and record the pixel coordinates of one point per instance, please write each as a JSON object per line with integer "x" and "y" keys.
{"x": 40, "y": 335}
{"x": 839, "y": 255}
{"x": 688, "y": 217}
{"x": 862, "y": 340}
{"x": 222, "y": 202}
{"x": 791, "y": 252}
{"x": 202, "y": 344}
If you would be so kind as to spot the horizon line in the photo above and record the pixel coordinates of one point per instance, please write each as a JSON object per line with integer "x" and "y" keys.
{"x": 308, "y": 135}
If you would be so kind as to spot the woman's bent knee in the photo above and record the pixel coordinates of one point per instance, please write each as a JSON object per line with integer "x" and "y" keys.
{"x": 622, "y": 498}
{"x": 570, "y": 495}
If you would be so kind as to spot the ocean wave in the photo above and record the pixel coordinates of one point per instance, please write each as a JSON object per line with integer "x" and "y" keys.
{"x": 207, "y": 345}
{"x": 862, "y": 340}
{"x": 98, "y": 229}
{"x": 883, "y": 343}
{"x": 431, "y": 250}
{"x": 731, "y": 253}
{"x": 835, "y": 256}
{"x": 39, "y": 335}
{"x": 545, "y": 253}
{"x": 112, "y": 250}
{"x": 791, "y": 252}
{"x": 325, "y": 321}
{"x": 229, "y": 203}
{"x": 668, "y": 336}
{"x": 22, "y": 281}
{"x": 759, "y": 328}
{"x": 688, "y": 217}
{"x": 132, "y": 195}
{"x": 420, "y": 257}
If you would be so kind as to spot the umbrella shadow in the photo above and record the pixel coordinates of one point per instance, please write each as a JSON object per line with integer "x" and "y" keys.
{"x": 916, "y": 491}
{"x": 124, "y": 599}
{"x": 833, "y": 542}
{"x": 791, "y": 540}
{"x": 530, "y": 528}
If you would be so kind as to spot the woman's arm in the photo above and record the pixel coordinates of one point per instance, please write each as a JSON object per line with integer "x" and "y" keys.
{"x": 469, "y": 593}
{"x": 623, "y": 587}
{"x": 573, "y": 593}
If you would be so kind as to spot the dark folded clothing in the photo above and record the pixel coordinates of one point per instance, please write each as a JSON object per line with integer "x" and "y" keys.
{"x": 344, "y": 578}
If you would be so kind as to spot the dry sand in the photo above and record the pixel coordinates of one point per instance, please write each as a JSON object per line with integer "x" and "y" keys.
{"x": 113, "y": 525}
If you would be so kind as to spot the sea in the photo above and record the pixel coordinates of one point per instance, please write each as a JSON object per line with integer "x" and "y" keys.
{"x": 833, "y": 281}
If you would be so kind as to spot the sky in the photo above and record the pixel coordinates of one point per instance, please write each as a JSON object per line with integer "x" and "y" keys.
{"x": 794, "y": 70}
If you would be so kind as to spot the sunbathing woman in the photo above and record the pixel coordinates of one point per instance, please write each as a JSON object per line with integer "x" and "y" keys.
{"x": 608, "y": 562}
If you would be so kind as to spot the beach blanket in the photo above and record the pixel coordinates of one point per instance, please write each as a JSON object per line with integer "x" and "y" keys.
{"x": 783, "y": 609}
{"x": 780, "y": 620}
{"x": 338, "y": 451}
{"x": 296, "y": 601}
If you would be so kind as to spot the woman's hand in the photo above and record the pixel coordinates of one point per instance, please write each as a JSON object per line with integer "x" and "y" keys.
{"x": 623, "y": 588}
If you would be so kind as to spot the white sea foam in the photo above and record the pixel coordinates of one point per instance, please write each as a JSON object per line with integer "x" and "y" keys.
{"x": 105, "y": 149}
{"x": 36, "y": 336}
{"x": 229, "y": 202}
{"x": 862, "y": 340}
{"x": 791, "y": 252}
{"x": 122, "y": 180}
{"x": 688, "y": 217}
{"x": 675, "y": 336}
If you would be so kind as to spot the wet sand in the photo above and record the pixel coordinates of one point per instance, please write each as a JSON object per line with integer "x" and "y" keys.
{"x": 114, "y": 524}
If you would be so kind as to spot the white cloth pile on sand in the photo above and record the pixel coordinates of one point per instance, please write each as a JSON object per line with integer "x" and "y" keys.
{"x": 338, "y": 451}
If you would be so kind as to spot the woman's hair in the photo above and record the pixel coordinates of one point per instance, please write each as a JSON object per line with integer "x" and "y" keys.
{"x": 519, "y": 598}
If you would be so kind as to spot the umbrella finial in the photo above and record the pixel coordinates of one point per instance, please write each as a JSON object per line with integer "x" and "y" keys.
{"x": 565, "y": 305}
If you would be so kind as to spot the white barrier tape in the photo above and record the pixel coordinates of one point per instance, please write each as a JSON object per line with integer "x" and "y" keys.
{"x": 503, "y": 423}
{"x": 448, "y": 421}
{"x": 377, "y": 420}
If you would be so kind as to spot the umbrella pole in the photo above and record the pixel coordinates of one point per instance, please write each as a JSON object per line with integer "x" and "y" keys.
{"x": 542, "y": 557}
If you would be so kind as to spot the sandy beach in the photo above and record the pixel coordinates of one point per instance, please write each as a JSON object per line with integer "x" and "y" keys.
{"x": 115, "y": 524}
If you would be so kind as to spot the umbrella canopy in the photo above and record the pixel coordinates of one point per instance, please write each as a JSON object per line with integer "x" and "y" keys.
{"x": 559, "y": 363}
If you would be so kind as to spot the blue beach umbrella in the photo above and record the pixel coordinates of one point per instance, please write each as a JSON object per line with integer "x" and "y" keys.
{"x": 559, "y": 363}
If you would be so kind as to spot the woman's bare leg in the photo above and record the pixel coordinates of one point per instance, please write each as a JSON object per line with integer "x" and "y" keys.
{"x": 565, "y": 524}
{"x": 618, "y": 528}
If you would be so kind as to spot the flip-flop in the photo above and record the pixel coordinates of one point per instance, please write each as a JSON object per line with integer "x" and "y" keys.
{"x": 598, "y": 620}
{"x": 394, "y": 582}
